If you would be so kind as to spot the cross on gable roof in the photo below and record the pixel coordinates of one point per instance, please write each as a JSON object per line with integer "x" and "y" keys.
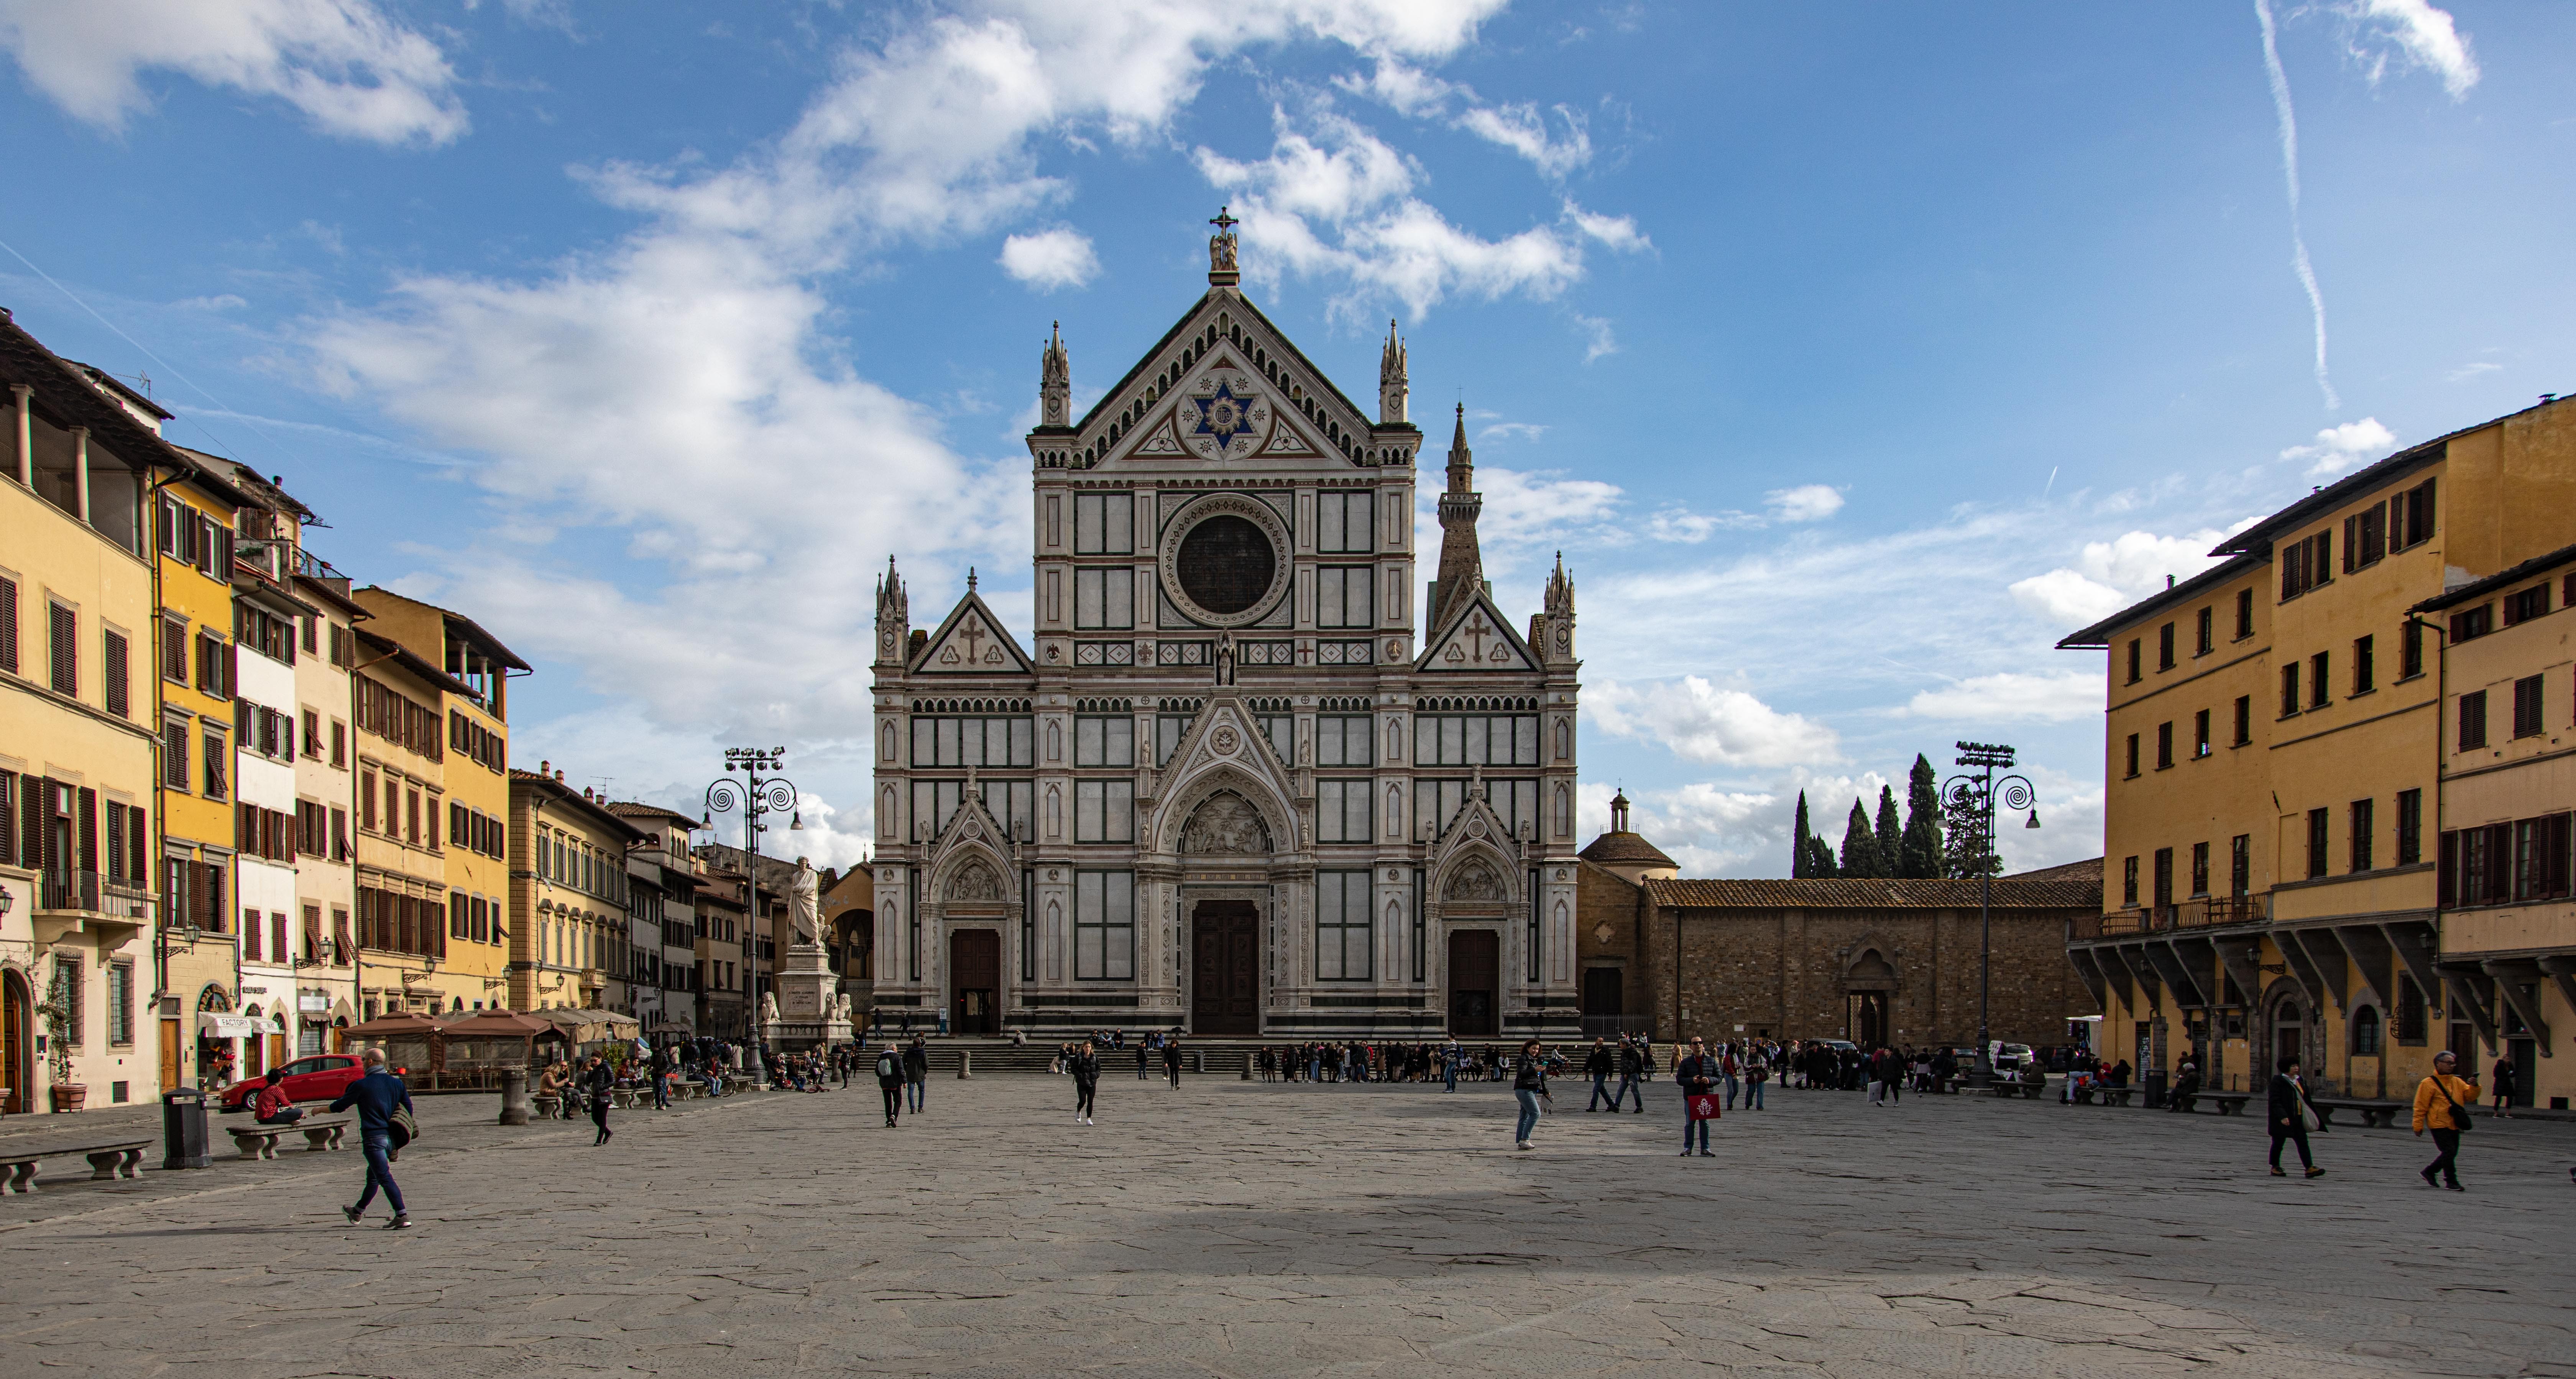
{"x": 972, "y": 642}
{"x": 1477, "y": 637}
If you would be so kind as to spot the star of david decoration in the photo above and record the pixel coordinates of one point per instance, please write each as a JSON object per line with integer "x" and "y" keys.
{"x": 1226, "y": 419}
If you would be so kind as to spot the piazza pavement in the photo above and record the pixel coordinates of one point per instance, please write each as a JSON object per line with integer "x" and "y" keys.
{"x": 1236, "y": 1229}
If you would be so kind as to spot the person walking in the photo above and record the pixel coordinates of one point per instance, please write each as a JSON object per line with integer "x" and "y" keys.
{"x": 2441, "y": 1106}
{"x": 916, "y": 1072}
{"x": 597, "y": 1082}
{"x": 1085, "y": 1068}
{"x": 1142, "y": 1060}
{"x": 890, "y": 1081}
{"x": 379, "y": 1096}
{"x": 1632, "y": 1076}
{"x": 1453, "y": 1054}
{"x": 1698, "y": 1075}
{"x": 2287, "y": 1111}
{"x": 1172, "y": 1058}
{"x": 661, "y": 1069}
{"x": 1756, "y": 1073}
{"x": 1529, "y": 1085}
{"x": 2504, "y": 1071}
{"x": 1597, "y": 1065}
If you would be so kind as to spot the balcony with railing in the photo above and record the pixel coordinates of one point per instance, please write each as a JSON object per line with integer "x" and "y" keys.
{"x": 87, "y": 898}
{"x": 2199, "y": 912}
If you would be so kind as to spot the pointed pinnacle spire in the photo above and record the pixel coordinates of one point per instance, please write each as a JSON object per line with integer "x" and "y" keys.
{"x": 1392, "y": 387}
{"x": 1462, "y": 461}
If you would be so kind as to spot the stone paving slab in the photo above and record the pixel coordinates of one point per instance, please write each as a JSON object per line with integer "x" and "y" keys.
{"x": 1239, "y": 1231}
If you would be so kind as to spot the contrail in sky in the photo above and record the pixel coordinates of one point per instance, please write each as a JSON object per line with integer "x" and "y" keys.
{"x": 2290, "y": 174}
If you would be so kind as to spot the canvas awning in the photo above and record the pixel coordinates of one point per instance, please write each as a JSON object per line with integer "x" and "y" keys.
{"x": 217, "y": 1026}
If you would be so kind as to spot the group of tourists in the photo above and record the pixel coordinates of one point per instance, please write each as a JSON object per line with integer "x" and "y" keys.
{"x": 2441, "y": 1109}
{"x": 1359, "y": 1060}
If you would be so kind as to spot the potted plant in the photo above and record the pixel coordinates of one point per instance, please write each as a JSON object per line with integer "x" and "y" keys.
{"x": 56, "y": 1012}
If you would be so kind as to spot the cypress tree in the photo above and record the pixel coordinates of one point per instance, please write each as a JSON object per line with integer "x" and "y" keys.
{"x": 1860, "y": 845}
{"x": 1820, "y": 857}
{"x": 1798, "y": 840}
{"x": 1891, "y": 841}
{"x": 1920, "y": 855}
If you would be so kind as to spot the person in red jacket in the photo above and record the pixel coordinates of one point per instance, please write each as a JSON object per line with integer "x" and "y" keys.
{"x": 273, "y": 1106}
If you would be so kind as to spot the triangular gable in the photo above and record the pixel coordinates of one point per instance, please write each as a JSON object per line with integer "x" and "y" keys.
{"x": 973, "y": 828}
{"x": 1150, "y": 414}
{"x": 1224, "y": 740}
{"x": 1476, "y": 831}
{"x": 972, "y": 642}
{"x": 1477, "y": 637}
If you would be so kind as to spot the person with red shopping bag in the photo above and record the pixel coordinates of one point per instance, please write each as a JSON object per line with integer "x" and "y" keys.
{"x": 1698, "y": 1075}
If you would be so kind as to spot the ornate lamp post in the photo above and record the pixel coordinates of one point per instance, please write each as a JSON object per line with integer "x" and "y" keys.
{"x": 1971, "y": 797}
{"x": 757, "y": 795}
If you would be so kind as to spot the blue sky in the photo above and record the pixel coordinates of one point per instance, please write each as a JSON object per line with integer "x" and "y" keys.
{"x": 1851, "y": 355}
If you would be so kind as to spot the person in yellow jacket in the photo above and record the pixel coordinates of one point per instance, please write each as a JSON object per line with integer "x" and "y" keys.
{"x": 2441, "y": 1103}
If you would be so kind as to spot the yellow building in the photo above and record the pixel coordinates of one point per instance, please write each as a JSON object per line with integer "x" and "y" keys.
{"x": 77, "y": 831}
{"x": 2271, "y": 754}
{"x": 2508, "y": 784}
{"x": 572, "y": 949}
{"x": 401, "y": 852}
{"x": 469, "y": 743}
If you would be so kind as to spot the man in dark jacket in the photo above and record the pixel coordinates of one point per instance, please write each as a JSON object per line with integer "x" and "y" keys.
{"x": 1632, "y": 1076}
{"x": 2287, "y": 1110}
{"x": 377, "y": 1095}
{"x": 1597, "y": 1065}
{"x": 598, "y": 1080}
{"x": 1172, "y": 1058}
{"x": 916, "y": 1071}
{"x": 1085, "y": 1067}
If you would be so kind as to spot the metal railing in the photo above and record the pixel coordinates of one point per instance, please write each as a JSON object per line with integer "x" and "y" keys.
{"x": 92, "y": 892}
{"x": 2201, "y": 912}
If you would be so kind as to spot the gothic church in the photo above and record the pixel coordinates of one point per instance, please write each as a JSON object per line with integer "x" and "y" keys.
{"x": 1237, "y": 782}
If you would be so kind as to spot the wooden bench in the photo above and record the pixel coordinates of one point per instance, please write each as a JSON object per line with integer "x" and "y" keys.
{"x": 106, "y": 1162}
{"x": 2375, "y": 1115}
{"x": 2229, "y": 1103}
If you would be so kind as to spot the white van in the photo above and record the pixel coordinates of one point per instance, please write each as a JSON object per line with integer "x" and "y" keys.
{"x": 2009, "y": 1058}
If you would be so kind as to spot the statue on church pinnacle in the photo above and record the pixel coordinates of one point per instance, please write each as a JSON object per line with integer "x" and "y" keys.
{"x": 1055, "y": 380}
{"x": 1391, "y": 386}
{"x": 1222, "y": 271}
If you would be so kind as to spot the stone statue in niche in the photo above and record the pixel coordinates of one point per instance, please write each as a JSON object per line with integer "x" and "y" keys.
{"x": 1226, "y": 824}
{"x": 975, "y": 882}
{"x": 1476, "y": 883}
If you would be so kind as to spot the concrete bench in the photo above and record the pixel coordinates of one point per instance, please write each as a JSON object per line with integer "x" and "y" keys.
{"x": 549, "y": 1104}
{"x": 322, "y": 1136}
{"x": 2375, "y": 1115}
{"x": 2229, "y": 1103}
{"x": 256, "y": 1141}
{"x": 2115, "y": 1096}
{"x": 106, "y": 1162}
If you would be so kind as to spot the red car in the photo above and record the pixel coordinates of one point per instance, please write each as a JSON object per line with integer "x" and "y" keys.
{"x": 319, "y": 1077}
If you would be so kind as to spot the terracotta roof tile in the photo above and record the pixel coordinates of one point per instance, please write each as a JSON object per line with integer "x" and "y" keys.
{"x": 1872, "y": 894}
{"x": 1625, "y": 847}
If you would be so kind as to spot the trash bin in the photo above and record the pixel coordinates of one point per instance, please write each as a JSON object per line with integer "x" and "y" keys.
{"x": 183, "y": 1128}
{"x": 2155, "y": 1084}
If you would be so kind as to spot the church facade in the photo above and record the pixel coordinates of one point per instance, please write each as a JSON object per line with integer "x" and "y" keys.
{"x": 1237, "y": 779}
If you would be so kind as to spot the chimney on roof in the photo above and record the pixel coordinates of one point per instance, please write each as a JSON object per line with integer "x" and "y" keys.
{"x": 558, "y": 777}
{"x": 545, "y": 768}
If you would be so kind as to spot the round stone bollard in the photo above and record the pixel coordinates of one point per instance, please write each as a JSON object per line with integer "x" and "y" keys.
{"x": 965, "y": 1064}
{"x": 1247, "y": 1068}
{"x": 1198, "y": 1060}
{"x": 514, "y": 1096}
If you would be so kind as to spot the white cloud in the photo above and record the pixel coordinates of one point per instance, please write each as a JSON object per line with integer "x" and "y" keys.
{"x": 1525, "y": 430}
{"x": 1526, "y": 513}
{"x": 352, "y": 70}
{"x": 2473, "y": 369}
{"x": 1521, "y": 128}
{"x": 1805, "y": 503}
{"x": 1598, "y": 339}
{"x": 2056, "y": 697}
{"x": 1050, "y": 259}
{"x": 1697, "y": 721}
{"x": 2415, "y": 34}
{"x": 2110, "y": 575}
{"x": 1334, "y": 200}
{"x": 1681, "y": 525}
{"x": 2339, "y": 449}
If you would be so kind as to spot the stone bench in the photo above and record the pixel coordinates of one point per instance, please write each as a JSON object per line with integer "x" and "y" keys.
{"x": 2115, "y": 1096}
{"x": 106, "y": 1162}
{"x": 257, "y": 1141}
{"x": 2375, "y": 1115}
{"x": 549, "y": 1105}
{"x": 2229, "y": 1103}
{"x": 322, "y": 1136}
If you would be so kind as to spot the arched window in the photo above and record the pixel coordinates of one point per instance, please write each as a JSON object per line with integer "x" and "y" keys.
{"x": 886, "y": 813}
{"x": 885, "y": 743}
{"x": 1564, "y": 740}
{"x": 2365, "y": 1032}
{"x": 1564, "y": 808}
{"x": 1055, "y": 741}
{"x": 1394, "y": 740}
{"x": 1055, "y": 813}
{"x": 1394, "y": 812}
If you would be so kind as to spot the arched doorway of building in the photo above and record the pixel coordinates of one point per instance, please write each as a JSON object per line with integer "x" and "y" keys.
{"x": 1225, "y": 967}
{"x": 2289, "y": 1032}
{"x": 1475, "y": 982}
{"x": 975, "y": 960}
{"x": 1868, "y": 985}
{"x": 17, "y": 1049}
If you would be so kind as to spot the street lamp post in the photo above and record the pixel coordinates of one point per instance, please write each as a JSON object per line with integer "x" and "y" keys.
{"x": 1971, "y": 796}
{"x": 759, "y": 794}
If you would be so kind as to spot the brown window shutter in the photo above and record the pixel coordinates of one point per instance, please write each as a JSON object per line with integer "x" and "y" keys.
{"x": 9, "y": 625}
{"x": 33, "y": 801}
{"x": 138, "y": 846}
{"x": 113, "y": 672}
{"x": 88, "y": 826}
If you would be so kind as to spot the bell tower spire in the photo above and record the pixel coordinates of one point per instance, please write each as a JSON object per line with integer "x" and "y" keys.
{"x": 1391, "y": 385}
{"x": 1055, "y": 380}
{"x": 1462, "y": 565}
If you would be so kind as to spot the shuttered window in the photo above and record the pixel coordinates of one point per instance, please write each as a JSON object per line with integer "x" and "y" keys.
{"x": 64, "y": 628}
{"x": 114, "y": 672}
{"x": 9, "y": 625}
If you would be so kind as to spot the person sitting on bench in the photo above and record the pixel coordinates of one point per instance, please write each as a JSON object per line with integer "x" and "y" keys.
{"x": 273, "y": 1106}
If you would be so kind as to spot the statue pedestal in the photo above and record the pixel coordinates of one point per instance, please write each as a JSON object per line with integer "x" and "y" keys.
{"x": 809, "y": 1007}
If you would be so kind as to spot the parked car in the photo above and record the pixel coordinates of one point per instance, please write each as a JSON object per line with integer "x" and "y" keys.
{"x": 2010, "y": 1058}
{"x": 317, "y": 1077}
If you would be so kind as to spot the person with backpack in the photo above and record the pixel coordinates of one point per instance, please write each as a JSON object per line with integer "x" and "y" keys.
{"x": 1085, "y": 1067}
{"x": 2442, "y": 1103}
{"x": 1698, "y": 1075}
{"x": 380, "y": 1098}
{"x": 2287, "y": 1110}
{"x": 890, "y": 1081}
